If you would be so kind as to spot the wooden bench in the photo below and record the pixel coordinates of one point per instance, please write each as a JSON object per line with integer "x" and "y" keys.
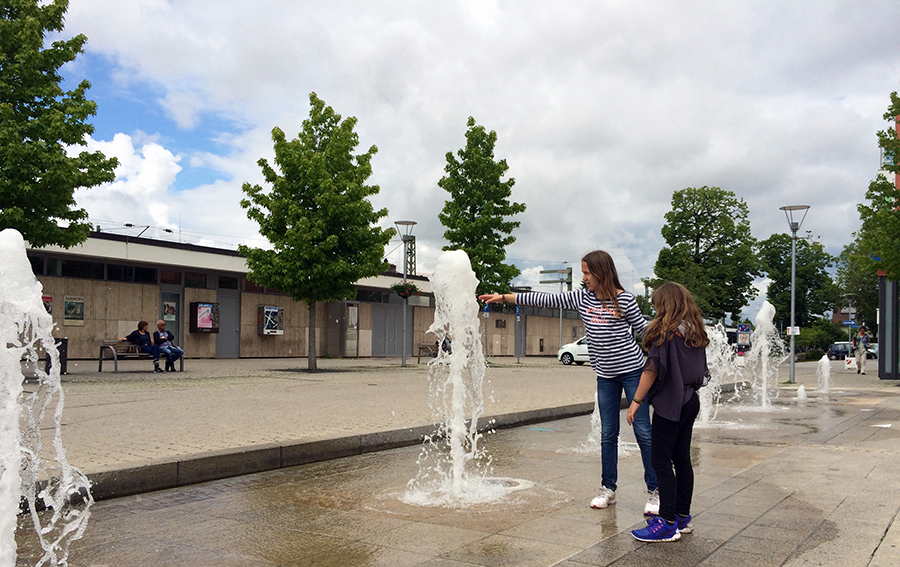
{"x": 117, "y": 350}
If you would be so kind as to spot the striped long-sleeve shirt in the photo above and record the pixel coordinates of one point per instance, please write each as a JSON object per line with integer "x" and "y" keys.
{"x": 611, "y": 345}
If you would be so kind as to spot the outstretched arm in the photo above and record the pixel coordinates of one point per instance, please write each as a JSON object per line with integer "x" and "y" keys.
{"x": 498, "y": 298}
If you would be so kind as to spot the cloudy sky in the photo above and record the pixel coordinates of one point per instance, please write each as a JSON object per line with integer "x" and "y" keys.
{"x": 602, "y": 110}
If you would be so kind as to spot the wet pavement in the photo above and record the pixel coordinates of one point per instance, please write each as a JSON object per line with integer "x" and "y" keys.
{"x": 801, "y": 483}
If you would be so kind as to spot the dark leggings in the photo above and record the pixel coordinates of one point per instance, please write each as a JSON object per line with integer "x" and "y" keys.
{"x": 671, "y": 447}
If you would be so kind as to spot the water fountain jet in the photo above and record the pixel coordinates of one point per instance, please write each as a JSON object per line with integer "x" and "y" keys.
{"x": 56, "y": 495}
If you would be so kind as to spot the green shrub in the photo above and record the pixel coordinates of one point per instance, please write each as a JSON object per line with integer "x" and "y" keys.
{"x": 814, "y": 354}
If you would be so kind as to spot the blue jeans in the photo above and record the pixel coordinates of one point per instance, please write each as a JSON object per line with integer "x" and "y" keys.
{"x": 609, "y": 400}
{"x": 171, "y": 353}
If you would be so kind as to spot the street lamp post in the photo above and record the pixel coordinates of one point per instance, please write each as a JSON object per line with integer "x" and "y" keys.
{"x": 405, "y": 228}
{"x": 795, "y": 226}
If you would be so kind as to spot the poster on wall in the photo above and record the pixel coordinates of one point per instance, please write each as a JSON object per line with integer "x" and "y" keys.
{"x": 270, "y": 320}
{"x": 73, "y": 310}
{"x": 48, "y": 303}
{"x": 169, "y": 311}
{"x": 204, "y": 317}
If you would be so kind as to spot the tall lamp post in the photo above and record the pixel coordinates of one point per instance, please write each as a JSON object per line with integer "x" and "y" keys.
{"x": 789, "y": 212}
{"x": 405, "y": 228}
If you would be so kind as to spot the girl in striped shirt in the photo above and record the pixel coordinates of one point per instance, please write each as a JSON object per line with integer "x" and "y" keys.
{"x": 610, "y": 315}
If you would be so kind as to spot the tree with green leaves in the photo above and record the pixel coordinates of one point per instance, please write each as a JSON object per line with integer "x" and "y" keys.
{"x": 709, "y": 250}
{"x": 880, "y": 234}
{"x": 316, "y": 214}
{"x": 39, "y": 123}
{"x": 857, "y": 281}
{"x": 476, "y": 215}
{"x": 815, "y": 292}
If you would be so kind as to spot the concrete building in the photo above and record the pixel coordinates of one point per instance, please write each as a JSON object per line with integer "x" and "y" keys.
{"x": 100, "y": 289}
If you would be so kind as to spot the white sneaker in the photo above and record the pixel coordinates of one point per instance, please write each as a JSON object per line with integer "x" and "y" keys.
{"x": 604, "y": 498}
{"x": 652, "y": 507}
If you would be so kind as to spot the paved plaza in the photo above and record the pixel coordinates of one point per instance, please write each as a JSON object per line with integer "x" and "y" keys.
{"x": 809, "y": 482}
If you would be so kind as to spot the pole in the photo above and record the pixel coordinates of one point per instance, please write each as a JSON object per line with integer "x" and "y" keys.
{"x": 794, "y": 228}
{"x": 405, "y": 300}
{"x": 561, "y": 289}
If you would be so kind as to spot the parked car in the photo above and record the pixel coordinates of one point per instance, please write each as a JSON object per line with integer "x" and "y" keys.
{"x": 873, "y": 350}
{"x": 839, "y": 350}
{"x": 576, "y": 352}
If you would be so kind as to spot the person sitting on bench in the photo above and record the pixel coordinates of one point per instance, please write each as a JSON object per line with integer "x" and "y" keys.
{"x": 144, "y": 341}
{"x": 164, "y": 338}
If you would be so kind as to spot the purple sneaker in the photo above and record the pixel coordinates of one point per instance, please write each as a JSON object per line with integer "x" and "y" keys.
{"x": 657, "y": 530}
{"x": 684, "y": 524}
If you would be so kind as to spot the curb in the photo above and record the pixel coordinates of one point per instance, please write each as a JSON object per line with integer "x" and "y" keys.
{"x": 226, "y": 463}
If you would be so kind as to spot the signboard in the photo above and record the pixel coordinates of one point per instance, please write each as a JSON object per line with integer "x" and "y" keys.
{"x": 744, "y": 328}
{"x": 270, "y": 320}
{"x": 793, "y": 331}
{"x": 850, "y": 324}
{"x": 743, "y": 339}
{"x": 73, "y": 310}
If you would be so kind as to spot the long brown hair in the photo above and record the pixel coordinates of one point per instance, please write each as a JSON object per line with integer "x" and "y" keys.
{"x": 600, "y": 264}
{"x": 675, "y": 305}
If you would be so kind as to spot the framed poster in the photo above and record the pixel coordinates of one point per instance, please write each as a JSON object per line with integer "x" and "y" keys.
{"x": 170, "y": 310}
{"x": 48, "y": 303}
{"x": 270, "y": 320}
{"x": 73, "y": 310}
{"x": 204, "y": 317}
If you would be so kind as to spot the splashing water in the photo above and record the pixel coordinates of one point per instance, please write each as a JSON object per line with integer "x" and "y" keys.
{"x": 453, "y": 468}
{"x": 766, "y": 353}
{"x": 25, "y": 329}
{"x": 801, "y": 393}
{"x": 720, "y": 360}
{"x": 823, "y": 373}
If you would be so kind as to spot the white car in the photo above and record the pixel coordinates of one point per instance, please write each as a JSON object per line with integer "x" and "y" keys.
{"x": 576, "y": 352}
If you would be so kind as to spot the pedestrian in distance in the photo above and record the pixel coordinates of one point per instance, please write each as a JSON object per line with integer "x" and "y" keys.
{"x": 144, "y": 342}
{"x": 676, "y": 368}
{"x": 861, "y": 344}
{"x": 611, "y": 316}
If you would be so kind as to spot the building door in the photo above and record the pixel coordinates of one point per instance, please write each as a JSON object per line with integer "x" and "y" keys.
{"x": 170, "y": 312}
{"x": 351, "y": 333}
{"x": 387, "y": 329}
{"x": 228, "y": 340}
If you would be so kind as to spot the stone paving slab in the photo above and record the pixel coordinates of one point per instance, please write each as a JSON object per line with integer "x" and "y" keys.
{"x": 800, "y": 483}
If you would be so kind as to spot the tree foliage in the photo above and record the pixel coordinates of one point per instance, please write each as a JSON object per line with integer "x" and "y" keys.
{"x": 815, "y": 292}
{"x": 316, "y": 214}
{"x": 710, "y": 250}
{"x": 476, "y": 213}
{"x": 880, "y": 233}
{"x": 38, "y": 122}
{"x": 857, "y": 280}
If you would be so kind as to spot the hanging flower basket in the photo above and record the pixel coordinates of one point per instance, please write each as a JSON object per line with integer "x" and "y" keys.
{"x": 404, "y": 289}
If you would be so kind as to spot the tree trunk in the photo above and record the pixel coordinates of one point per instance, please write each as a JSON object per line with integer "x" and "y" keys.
{"x": 311, "y": 354}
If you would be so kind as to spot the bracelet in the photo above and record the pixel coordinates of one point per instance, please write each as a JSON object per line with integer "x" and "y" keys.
{"x": 503, "y": 297}
{"x": 638, "y": 401}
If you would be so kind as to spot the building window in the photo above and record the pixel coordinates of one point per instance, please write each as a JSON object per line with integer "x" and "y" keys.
{"x": 227, "y": 282}
{"x": 251, "y": 287}
{"x": 372, "y": 296}
{"x": 37, "y": 265}
{"x": 145, "y": 275}
{"x": 80, "y": 269}
{"x": 119, "y": 273}
{"x": 170, "y": 277}
{"x": 194, "y": 279}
